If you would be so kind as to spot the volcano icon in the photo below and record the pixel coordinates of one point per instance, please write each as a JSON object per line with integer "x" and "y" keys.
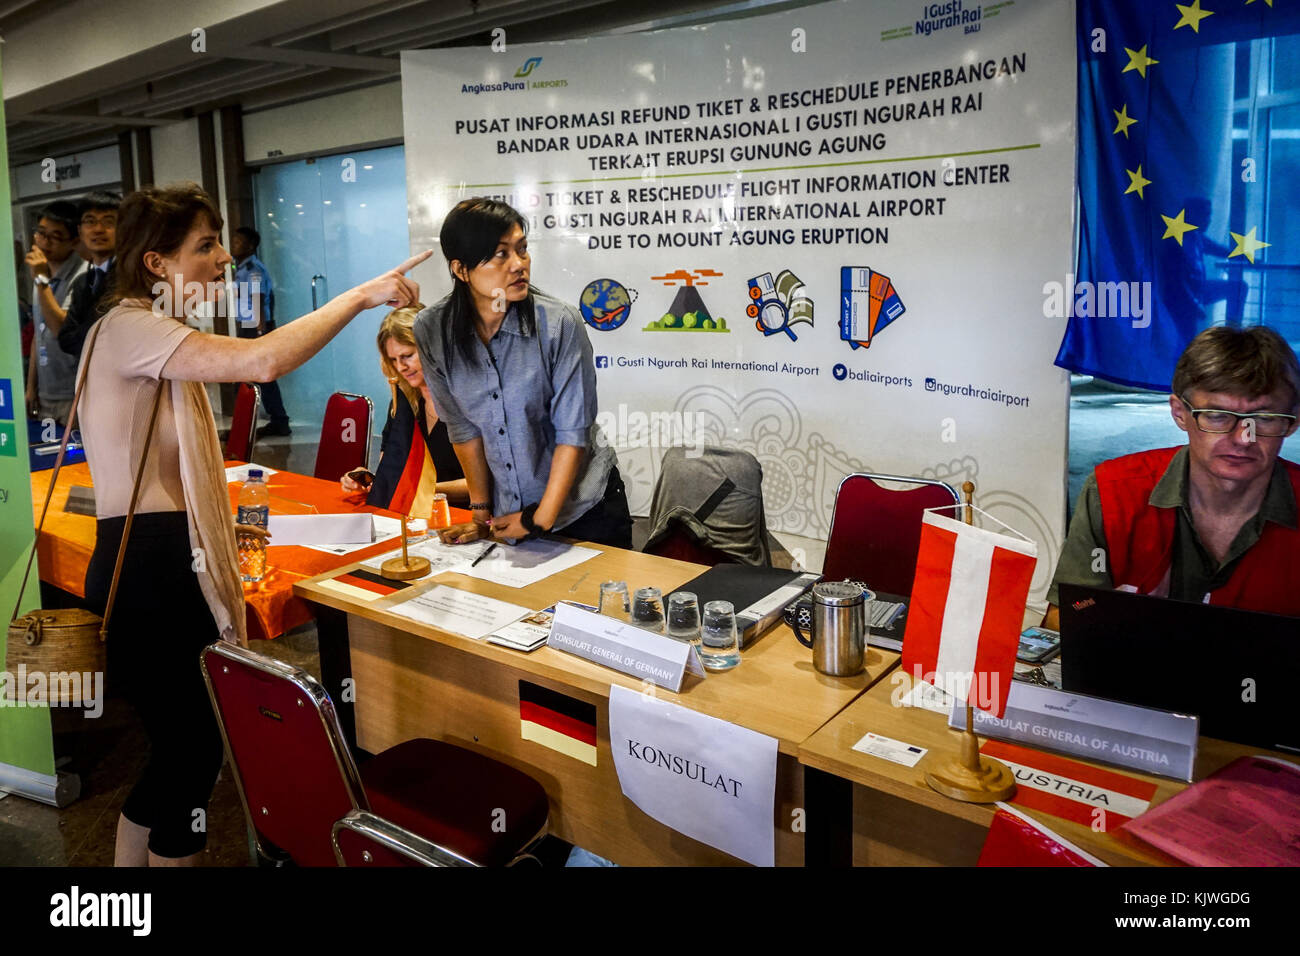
{"x": 688, "y": 313}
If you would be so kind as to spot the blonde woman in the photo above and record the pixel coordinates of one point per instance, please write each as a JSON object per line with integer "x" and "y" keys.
{"x": 415, "y": 455}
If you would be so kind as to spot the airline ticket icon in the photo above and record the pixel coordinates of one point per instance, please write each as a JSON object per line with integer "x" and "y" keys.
{"x": 868, "y": 303}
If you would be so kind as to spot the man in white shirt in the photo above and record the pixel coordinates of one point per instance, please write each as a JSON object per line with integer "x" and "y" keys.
{"x": 54, "y": 264}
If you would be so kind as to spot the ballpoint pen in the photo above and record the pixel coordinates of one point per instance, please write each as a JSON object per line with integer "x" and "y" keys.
{"x": 486, "y": 552}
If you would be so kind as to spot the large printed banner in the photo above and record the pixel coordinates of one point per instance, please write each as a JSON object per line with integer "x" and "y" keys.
{"x": 821, "y": 236}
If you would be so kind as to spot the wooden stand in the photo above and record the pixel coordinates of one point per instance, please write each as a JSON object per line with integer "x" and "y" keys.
{"x": 405, "y": 568}
{"x": 970, "y": 777}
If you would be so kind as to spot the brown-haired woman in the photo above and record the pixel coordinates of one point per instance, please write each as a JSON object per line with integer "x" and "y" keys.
{"x": 180, "y": 588}
{"x": 410, "y": 411}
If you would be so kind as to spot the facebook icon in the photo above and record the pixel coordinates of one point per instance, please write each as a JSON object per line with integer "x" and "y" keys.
{"x": 602, "y": 361}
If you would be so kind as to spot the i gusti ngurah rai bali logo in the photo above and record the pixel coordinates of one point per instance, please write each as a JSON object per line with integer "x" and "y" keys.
{"x": 949, "y": 15}
{"x": 522, "y": 81}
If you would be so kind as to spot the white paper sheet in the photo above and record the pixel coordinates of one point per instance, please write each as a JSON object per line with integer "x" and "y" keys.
{"x": 386, "y": 528}
{"x": 460, "y": 612}
{"x": 704, "y": 777}
{"x": 240, "y": 472}
{"x": 898, "y": 751}
{"x": 518, "y": 566}
{"x": 441, "y": 557}
{"x": 352, "y": 528}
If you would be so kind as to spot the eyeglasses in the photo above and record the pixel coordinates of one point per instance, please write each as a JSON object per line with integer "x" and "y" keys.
{"x": 52, "y": 236}
{"x": 1220, "y": 421}
{"x": 90, "y": 222}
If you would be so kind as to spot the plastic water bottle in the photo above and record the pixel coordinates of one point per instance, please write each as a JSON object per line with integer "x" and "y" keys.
{"x": 254, "y": 509}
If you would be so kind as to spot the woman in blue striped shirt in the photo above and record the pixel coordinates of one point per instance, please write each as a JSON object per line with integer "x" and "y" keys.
{"x": 510, "y": 371}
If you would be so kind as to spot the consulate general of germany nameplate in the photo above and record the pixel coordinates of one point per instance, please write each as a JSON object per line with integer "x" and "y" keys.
{"x": 625, "y": 647}
{"x": 1140, "y": 738}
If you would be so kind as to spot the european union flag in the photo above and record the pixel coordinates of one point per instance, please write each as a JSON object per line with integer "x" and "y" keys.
{"x": 1189, "y": 180}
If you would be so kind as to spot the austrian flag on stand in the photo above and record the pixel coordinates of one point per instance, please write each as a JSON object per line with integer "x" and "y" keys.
{"x": 967, "y": 608}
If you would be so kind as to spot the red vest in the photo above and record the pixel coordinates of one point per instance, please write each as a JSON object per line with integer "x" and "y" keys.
{"x": 1140, "y": 539}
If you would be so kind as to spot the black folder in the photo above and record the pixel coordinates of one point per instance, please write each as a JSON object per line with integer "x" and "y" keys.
{"x": 759, "y": 595}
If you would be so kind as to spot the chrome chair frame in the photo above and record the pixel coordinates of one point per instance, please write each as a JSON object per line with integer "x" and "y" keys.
{"x": 901, "y": 479}
{"x": 310, "y": 688}
{"x": 361, "y": 817}
{"x": 398, "y": 839}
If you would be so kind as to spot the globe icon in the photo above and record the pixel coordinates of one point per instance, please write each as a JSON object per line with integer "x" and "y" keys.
{"x": 605, "y": 304}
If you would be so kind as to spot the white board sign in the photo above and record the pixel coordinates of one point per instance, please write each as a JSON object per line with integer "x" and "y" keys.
{"x": 821, "y": 236}
{"x": 704, "y": 777}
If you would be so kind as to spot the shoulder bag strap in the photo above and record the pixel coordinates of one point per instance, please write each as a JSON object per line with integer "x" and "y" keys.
{"x": 58, "y": 464}
{"x": 130, "y": 511}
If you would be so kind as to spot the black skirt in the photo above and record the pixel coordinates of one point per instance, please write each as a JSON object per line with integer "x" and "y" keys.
{"x": 160, "y": 623}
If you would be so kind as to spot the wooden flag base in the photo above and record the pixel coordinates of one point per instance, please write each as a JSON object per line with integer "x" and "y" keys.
{"x": 405, "y": 568}
{"x": 970, "y": 777}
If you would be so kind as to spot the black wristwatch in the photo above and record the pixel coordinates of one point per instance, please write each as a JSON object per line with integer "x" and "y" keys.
{"x": 526, "y": 519}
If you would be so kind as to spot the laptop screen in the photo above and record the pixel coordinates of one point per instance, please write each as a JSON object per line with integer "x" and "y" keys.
{"x": 1234, "y": 669}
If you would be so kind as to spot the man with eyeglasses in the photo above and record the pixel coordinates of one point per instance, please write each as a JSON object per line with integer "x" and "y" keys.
{"x": 54, "y": 264}
{"x": 1215, "y": 520}
{"x": 87, "y": 303}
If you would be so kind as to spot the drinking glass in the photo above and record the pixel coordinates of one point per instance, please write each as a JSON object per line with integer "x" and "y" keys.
{"x": 648, "y": 609}
{"x": 719, "y": 647}
{"x": 684, "y": 617}
{"x": 441, "y": 514}
{"x": 613, "y": 599}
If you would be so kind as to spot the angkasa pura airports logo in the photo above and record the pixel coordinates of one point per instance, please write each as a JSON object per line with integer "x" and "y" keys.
{"x": 521, "y": 81}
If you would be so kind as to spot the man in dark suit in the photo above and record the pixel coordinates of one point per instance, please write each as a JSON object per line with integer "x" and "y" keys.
{"x": 98, "y": 231}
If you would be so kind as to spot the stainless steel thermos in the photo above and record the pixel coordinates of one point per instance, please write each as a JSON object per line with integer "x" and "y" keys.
{"x": 839, "y": 627}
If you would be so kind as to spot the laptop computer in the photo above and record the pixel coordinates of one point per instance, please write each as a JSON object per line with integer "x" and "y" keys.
{"x": 1235, "y": 669}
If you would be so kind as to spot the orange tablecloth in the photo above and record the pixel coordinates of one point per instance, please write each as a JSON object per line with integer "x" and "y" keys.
{"x": 68, "y": 540}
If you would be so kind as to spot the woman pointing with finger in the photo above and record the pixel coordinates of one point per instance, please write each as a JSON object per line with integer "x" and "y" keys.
{"x": 170, "y": 605}
{"x": 510, "y": 371}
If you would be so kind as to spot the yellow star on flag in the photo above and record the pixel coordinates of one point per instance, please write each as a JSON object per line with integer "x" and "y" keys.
{"x": 1176, "y": 226}
{"x": 1247, "y": 245}
{"x": 1122, "y": 121}
{"x": 1136, "y": 183}
{"x": 1249, "y": 2}
{"x": 1138, "y": 60}
{"x": 1192, "y": 16}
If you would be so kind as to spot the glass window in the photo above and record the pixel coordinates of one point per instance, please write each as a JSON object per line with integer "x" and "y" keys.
{"x": 327, "y": 225}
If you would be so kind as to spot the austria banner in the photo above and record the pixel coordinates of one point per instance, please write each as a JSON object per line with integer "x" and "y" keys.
{"x": 967, "y": 608}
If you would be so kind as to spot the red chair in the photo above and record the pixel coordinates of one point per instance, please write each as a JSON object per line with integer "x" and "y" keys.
{"x": 344, "y": 435}
{"x": 243, "y": 424}
{"x": 363, "y": 839}
{"x": 297, "y": 778}
{"x": 876, "y": 531}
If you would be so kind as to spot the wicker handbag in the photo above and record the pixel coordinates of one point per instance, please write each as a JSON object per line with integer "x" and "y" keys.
{"x": 64, "y": 643}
